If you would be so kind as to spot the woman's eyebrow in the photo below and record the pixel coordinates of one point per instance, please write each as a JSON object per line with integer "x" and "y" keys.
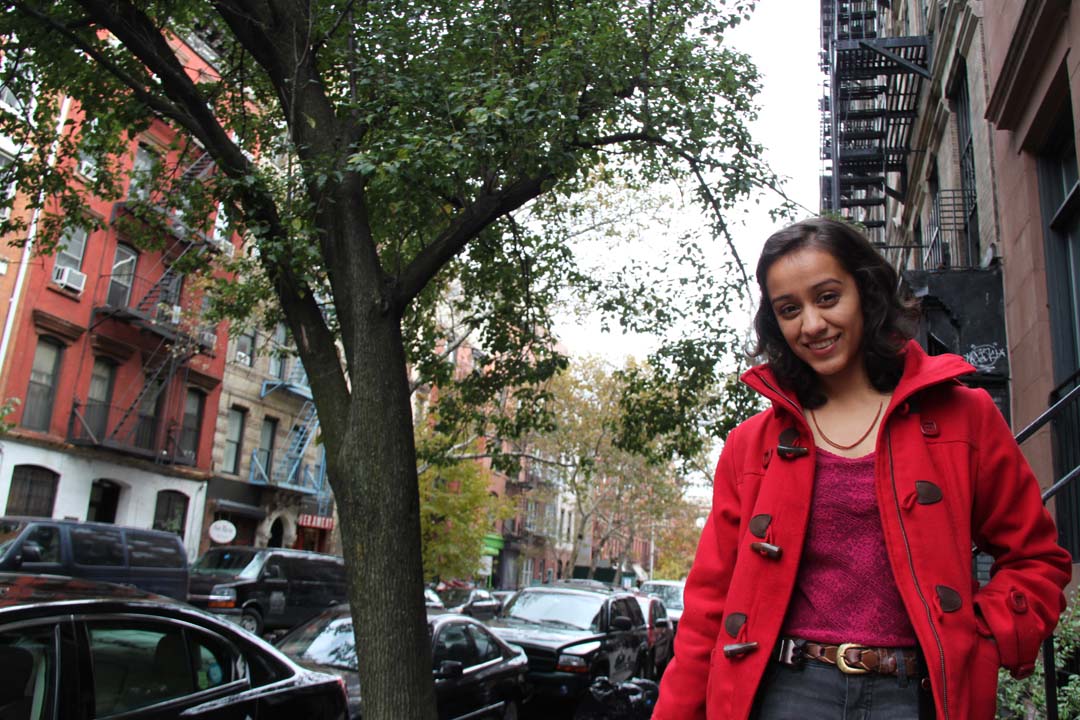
{"x": 815, "y": 286}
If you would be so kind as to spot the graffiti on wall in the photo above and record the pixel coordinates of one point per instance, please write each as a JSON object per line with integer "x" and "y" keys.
{"x": 984, "y": 357}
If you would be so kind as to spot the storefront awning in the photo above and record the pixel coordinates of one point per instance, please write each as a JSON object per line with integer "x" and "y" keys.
{"x": 238, "y": 508}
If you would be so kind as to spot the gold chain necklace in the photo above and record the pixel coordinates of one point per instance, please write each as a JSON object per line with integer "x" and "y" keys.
{"x": 862, "y": 437}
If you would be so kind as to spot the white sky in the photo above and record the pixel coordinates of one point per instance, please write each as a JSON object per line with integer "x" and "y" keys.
{"x": 782, "y": 38}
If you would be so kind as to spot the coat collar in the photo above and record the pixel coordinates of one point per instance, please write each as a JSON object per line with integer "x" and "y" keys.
{"x": 920, "y": 372}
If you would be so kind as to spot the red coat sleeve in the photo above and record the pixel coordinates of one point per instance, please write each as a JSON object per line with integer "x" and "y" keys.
{"x": 1021, "y": 603}
{"x": 682, "y": 690}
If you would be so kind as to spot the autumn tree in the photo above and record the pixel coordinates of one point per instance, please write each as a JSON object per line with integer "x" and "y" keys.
{"x": 371, "y": 153}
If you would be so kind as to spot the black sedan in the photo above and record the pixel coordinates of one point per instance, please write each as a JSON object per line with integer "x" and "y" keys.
{"x": 74, "y": 650}
{"x": 574, "y": 633}
{"x": 477, "y": 675}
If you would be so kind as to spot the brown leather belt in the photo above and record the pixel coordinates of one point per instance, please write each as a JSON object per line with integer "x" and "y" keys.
{"x": 851, "y": 658}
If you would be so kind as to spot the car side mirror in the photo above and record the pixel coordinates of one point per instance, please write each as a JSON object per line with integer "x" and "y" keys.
{"x": 663, "y": 623}
{"x": 621, "y": 623}
{"x": 449, "y": 670}
{"x": 31, "y": 552}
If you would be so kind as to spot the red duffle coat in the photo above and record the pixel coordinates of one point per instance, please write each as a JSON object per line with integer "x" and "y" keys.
{"x": 947, "y": 474}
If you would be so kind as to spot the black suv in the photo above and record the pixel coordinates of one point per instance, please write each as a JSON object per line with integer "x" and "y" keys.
{"x": 266, "y": 588}
{"x": 574, "y": 633}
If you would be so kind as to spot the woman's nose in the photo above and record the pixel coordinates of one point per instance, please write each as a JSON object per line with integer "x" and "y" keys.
{"x": 813, "y": 322}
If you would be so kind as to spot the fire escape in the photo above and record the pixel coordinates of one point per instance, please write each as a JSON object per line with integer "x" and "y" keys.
{"x": 291, "y": 470}
{"x": 141, "y": 420}
{"x": 868, "y": 110}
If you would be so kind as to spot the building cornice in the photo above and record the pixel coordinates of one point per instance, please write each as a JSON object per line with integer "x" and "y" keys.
{"x": 1028, "y": 48}
{"x": 64, "y": 330}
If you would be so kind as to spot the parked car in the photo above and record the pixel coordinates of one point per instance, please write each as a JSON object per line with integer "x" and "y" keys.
{"x": 432, "y": 599}
{"x": 661, "y": 635}
{"x": 671, "y": 592}
{"x": 266, "y": 588}
{"x": 477, "y": 675}
{"x": 474, "y": 602}
{"x": 573, "y": 635}
{"x": 152, "y": 560}
{"x": 73, "y": 649}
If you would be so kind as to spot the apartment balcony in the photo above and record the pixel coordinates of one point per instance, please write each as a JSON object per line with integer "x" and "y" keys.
{"x": 951, "y": 237}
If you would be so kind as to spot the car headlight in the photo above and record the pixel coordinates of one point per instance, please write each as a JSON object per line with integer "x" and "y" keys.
{"x": 571, "y": 663}
{"x": 222, "y": 597}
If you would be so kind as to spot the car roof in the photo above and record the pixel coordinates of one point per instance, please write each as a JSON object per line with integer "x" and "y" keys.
{"x": 20, "y": 589}
{"x": 83, "y": 523}
{"x": 586, "y": 591}
{"x": 669, "y": 583}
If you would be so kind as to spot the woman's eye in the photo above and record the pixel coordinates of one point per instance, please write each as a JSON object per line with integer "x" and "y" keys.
{"x": 829, "y": 298}
{"x": 786, "y": 311}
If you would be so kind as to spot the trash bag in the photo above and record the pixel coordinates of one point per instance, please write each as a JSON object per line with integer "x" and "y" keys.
{"x": 633, "y": 699}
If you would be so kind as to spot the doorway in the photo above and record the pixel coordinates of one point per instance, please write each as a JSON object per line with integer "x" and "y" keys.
{"x": 104, "y": 499}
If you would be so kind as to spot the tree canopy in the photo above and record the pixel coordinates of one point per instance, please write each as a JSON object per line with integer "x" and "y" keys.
{"x": 380, "y": 157}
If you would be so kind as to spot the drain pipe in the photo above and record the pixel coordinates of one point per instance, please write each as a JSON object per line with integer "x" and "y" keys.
{"x": 28, "y": 246}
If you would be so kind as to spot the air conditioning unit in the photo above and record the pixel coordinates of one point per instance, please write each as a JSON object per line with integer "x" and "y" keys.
{"x": 175, "y": 314}
{"x": 243, "y": 358}
{"x": 208, "y": 339}
{"x": 222, "y": 245}
{"x": 69, "y": 278}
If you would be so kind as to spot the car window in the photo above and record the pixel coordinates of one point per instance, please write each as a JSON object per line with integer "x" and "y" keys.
{"x": 659, "y": 611}
{"x": 150, "y": 550}
{"x": 301, "y": 569}
{"x": 97, "y": 546}
{"x": 325, "y": 640}
{"x": 328, "y": 571}
{"x": 140, "y": 664}
{"x": 483, "y": 595}
{"x": 9, "y": 532}
{"x": 230, "y": 562}
{"x": 634, "y": 612}
{"x": 279, "y": 562}
{"x": 47, "y": 538}
{"x": 28, "y": 659}
{"x": 454, "y": 643}
{"x": 486, "y": 646}
{"x": 577, "y": 610}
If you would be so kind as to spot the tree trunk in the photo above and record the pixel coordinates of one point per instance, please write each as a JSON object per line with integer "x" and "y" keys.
{"x": 374, "y": 472}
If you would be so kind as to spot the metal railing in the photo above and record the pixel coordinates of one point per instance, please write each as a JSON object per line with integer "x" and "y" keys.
{"x": 948, "y": 242}
{"x": 1064, "y": 414}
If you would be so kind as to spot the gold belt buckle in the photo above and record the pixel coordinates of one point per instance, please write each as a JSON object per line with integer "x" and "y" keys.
{"x": 841, "y": 661}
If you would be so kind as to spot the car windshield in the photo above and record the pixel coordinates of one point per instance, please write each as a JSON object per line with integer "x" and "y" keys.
{"x": 452, "y": 597}
{"x": 327, "y": 640}
{"x": 670, "y": 594}
{"x": 9, "y": 531}
{"x": 230, "y": 563}
{"x": 557, "y": 609}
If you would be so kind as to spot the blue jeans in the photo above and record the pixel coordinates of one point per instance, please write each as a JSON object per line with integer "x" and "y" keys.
{"x": 822, "y": 692}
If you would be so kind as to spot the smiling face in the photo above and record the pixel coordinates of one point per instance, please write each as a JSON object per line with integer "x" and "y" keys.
{"x": 816, "y": 304}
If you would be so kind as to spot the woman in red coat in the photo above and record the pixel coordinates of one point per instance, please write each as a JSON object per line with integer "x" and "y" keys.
{"x": 833, "y": 578}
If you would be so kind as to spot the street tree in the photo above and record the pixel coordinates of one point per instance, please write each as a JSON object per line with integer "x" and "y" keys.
{"x": 374, "y": 154}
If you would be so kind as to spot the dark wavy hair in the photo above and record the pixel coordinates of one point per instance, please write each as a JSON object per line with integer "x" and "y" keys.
{"x": 888, "y": 317}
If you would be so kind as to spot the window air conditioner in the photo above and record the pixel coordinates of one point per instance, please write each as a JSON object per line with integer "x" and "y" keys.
{"x": 208, "y": 338}
{"x": 243, "y": 358}
{"x": 69, "y": 278}
{"x": 175, "y": 314}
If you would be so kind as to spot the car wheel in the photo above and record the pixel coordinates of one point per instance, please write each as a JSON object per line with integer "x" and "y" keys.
{"x": 251, "y": 621}
{"x": 510, "y": 712}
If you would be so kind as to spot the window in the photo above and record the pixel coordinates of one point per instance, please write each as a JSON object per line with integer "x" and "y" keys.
{"x": 245, "y": 348}
{"x": 170, "y": 514}
{"x": 29, "y": 653}
{"x": 146, "y": 425}
{"x": 97, "y": 546}
{"x": 234, "y": 440}
{"x": 87, "y": 166}
{"x": 965, "y": 137}
{"x": 99, "y": 396}
{"x": 7, "y": 192}
{"x": 150, "y": 550}
{"x": 70, "y": 251}
{"x": 1059, "y": 192}
{"x": 278, "y": 362}
{"x": 142, "y": 173}
{"x": 37, "y": 415}
{"x": 189, "y": 430}
{"x": 122, "y": 277}
{"x": 487, "y": 648}
{"x": 136, "y": 664}
{"x": 47, "y": 540}
{"x": 33, "y": 491}
{"x": 455, "y": 644}
{"x": 265, "y": 453}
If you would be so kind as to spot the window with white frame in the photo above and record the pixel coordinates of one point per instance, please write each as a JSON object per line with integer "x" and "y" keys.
{"x": 142, "y": 173}
{"x": 245, "y": 348}
{"x": 234, "y": 440}
{"x": 122, "y": 277}
{"x": 278, "y": 362}
{"x": 72, "y": 248}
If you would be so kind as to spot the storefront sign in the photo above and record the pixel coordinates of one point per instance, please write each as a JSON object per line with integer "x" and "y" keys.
{"x": 315, "y": 521}
{"x": 222, "y": 531}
